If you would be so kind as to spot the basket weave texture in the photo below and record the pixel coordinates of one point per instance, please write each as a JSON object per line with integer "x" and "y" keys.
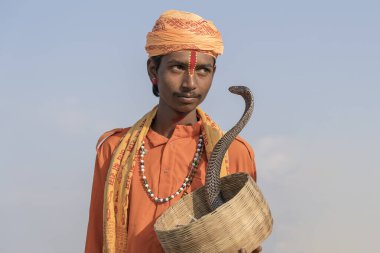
{"x": 244, "y": 221}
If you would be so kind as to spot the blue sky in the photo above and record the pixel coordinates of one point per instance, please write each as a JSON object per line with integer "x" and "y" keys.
{"x": 71, "y": 70}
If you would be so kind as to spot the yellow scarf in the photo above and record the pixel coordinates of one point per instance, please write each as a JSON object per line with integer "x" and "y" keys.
{"x": 120, "y": 174}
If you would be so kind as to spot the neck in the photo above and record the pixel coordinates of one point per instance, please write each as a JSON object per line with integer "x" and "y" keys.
{"x": 166, "y": 121}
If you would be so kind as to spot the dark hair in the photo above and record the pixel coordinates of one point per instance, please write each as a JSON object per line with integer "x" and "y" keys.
{"x": 157, "y": 61}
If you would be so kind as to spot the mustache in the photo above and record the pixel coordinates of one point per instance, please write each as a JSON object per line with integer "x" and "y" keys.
{"x": 187, "y": 94}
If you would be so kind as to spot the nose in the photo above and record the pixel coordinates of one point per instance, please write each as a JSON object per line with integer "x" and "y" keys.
{"x": 189, "y": 82}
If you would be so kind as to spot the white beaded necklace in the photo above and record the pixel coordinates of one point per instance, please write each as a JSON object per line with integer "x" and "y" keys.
{"x": 186, "y": 183}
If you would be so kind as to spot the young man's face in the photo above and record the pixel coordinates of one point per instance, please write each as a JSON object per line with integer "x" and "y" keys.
{"x": 184, "y": 79}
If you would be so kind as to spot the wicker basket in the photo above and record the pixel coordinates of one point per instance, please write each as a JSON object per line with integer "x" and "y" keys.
{"x": 244, "y": 221}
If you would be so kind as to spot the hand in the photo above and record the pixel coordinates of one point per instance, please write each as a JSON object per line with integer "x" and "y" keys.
{"x": 259, "y": 249}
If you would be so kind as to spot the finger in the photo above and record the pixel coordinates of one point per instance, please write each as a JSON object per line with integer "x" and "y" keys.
{"x": 242, "y": 251}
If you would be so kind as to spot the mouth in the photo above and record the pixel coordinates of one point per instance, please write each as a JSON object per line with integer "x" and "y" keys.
{"x": 187, "y": 98}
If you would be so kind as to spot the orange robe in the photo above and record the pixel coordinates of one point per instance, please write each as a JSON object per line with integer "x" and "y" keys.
{"x": 166, "y": 166}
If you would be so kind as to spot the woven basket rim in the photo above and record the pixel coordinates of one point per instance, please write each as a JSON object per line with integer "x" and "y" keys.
{"x": 204, "y": 217}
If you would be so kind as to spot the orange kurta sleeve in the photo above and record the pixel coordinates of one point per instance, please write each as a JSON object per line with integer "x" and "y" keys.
{"x": 105, "y": 147}
{"x": 242, "y": 158}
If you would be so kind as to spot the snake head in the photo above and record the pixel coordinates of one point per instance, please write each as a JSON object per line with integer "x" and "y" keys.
{"x": 240, "y": 90}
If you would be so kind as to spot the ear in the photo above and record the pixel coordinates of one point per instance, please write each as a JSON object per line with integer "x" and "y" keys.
{"x": 213, "y": 72}
{"x": 151, "y": 68}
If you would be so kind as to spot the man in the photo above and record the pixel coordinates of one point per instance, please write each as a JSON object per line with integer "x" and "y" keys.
{"x": 142, "y": 170}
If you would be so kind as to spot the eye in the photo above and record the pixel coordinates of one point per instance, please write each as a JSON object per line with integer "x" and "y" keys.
{"x": 177, "y": 68}
{"x": 204, "y": 71}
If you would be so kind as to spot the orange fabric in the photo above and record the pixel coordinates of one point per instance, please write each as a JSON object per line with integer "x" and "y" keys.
{"x": 120, "y": 173}
{"x": 179, "y": 30}
{"x": 118, "y": 185}
{"x": 166, "y": 163}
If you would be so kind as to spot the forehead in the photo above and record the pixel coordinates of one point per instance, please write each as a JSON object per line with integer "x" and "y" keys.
{"x": 184, "y": 57}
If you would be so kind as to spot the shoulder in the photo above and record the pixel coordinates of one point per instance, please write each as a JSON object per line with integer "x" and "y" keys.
{"x": 110, "y": 139}
{"x": 242, "y": 157}
{"x": 240, "y": 147}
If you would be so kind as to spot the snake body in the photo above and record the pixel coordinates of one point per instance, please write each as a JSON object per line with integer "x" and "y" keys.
{"x": 213, "y": 193}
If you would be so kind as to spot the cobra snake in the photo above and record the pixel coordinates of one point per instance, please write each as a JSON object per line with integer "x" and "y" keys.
{"x": 213, "y": 194}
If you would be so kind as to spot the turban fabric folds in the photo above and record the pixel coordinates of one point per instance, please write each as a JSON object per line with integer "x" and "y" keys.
{"x": 179, "y": 30}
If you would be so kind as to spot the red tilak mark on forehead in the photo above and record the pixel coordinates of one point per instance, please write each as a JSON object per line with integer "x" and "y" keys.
{"x": 192, "y": 62}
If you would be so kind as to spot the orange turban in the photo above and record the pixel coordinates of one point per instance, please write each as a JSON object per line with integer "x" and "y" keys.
{"x": 179, "y": 30}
